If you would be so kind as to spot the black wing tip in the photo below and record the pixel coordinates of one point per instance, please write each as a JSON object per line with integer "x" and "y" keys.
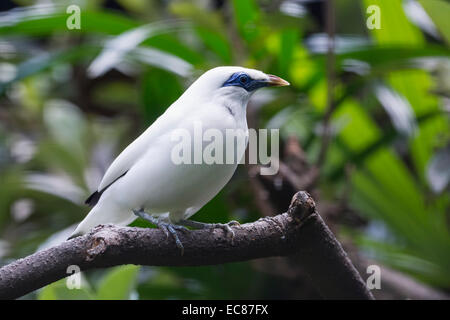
{"x": 73, "y": 236}
{"x": 93, "y": 198}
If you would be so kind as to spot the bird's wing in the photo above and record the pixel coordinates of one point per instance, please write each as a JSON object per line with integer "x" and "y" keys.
{"x": 131, "y": 154}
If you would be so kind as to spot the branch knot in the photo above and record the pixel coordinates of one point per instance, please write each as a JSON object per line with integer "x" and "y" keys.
{"x": 102, "y": 238}
{"x": 302, "y": 206}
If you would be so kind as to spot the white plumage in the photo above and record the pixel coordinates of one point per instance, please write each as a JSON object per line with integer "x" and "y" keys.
{"x": 144, "y": 176}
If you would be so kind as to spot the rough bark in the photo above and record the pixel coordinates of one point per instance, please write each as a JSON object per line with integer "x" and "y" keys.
{"x": 299, "y": 233}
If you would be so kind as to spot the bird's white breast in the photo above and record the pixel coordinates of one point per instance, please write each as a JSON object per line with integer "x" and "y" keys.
{"x": 159, "y": 185}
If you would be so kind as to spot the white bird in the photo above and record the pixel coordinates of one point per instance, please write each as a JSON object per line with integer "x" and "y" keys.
{"x": 144, "y": 180}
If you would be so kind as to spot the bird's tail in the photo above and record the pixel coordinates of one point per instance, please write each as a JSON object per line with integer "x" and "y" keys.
{"x": 103, "y": 214}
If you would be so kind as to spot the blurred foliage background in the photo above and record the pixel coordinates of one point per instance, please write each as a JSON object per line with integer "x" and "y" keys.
{"x": 364, "y": 128}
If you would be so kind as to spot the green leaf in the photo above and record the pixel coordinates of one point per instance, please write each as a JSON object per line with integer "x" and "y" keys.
{"x": 217, "y": 43}
{"x": 395, "y": 28}
{"x": 59, "y": 291}
{"x": 30, "y": 21}
{"x": 209, "y": 27}
{"x": 407, "y": 261}
{"x": 10, "y": 190}
{"x": 172, "y": 44}
{"x": 118, "y": 283}
{"x": 358, "y": 158}
{"x": 246, "y": 14}
{"x": 159, "y": 89}
{"x": 393, "y": 56}
{"x": 45, "y": 61}
{"x": 289, "y": 39}
{"x": 414, "y": 85}
{"x": 116, "y": 48}
{"x": 439, "y": 11}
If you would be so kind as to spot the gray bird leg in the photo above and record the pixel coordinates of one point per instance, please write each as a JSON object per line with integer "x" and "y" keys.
{"x": 164, "y": 226}
{"x": 201, "y": 225}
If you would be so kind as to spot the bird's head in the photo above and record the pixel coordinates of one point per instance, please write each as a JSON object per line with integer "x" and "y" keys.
{"x": 234, "y": 83}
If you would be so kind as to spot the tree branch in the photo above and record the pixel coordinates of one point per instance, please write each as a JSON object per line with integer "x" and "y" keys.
{"x": 300, "y": 233}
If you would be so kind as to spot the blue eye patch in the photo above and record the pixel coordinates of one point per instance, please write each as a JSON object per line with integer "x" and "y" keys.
{"x": 243, "y": 80}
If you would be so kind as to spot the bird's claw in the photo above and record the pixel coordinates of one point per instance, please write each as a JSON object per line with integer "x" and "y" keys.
{"x": 234, "y": 223}
{"x": 227, "y": 228}
{"x": 172, "y": 229}
{"x": 165, "y": 227}
{"x": 165, "y": 230}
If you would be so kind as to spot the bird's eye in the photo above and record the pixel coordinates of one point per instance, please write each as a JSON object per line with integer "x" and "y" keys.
{"x": 243, "y": 79}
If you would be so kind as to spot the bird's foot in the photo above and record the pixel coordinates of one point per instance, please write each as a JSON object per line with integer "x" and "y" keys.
{"x": 167, "y": 228}
{"x": 172, "y": 229}
{"x": 224, "y": 226}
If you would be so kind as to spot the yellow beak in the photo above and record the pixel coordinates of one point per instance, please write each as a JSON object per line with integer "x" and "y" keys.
{"x": 275, "y": 81}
